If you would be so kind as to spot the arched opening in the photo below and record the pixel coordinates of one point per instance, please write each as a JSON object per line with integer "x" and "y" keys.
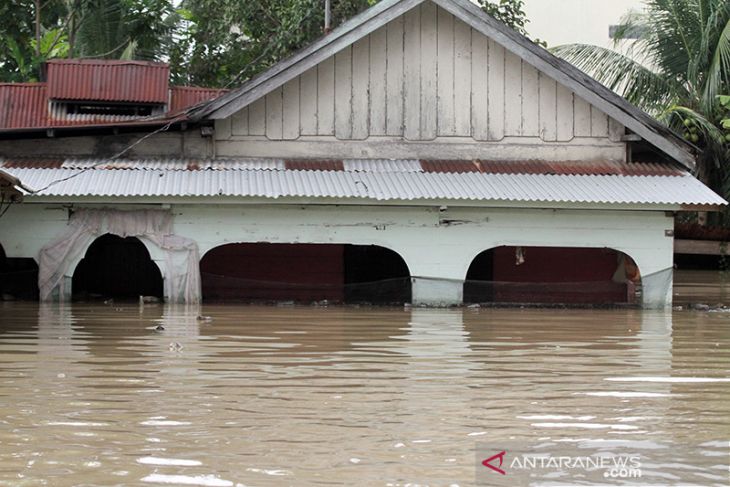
{"x": 552, "y": 275}
{"x": 116, "y": 267}
{"x": 18, "y": 277}
{"x": 304, "y": 273}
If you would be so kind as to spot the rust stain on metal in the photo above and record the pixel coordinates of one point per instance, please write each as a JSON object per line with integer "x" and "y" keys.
{"x": 33, "y": 163}
{"x": 107, "y": 80}
{"x": 575, "y": 168}
{"x": 23, "y": 105}
{"x": 314, "y": 165}
{"x": 182, "y": 97}
{"x": 442, "y": 166}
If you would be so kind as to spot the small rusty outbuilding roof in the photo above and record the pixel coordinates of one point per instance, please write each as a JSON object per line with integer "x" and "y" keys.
{"x": 107, "y": 80}
{"x": 543, "y": 184}
{"x": 35, "y": 106}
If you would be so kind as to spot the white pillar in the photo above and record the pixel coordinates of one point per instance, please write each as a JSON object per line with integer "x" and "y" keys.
{"x": 657, "y": 289}
{"x": 437, "y": 273}
{"x": 437, "y": 292}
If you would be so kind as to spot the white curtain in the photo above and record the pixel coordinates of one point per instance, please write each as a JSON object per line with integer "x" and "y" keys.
{"x": 182, "y": 273}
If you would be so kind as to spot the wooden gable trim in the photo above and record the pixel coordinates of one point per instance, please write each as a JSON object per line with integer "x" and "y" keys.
{"x": 367, "y": 22}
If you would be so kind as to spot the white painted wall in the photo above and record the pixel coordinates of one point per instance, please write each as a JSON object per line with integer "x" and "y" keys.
{"x": 423, "y": 77}
{"x": 431, "y": 248}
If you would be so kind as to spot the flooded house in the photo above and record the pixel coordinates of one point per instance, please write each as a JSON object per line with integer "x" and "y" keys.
{"x": 421, "y": 152}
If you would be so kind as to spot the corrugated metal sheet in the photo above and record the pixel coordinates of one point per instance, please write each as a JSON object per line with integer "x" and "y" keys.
{"x": 147, "y": 164}
{"x": 381, "y": 186}
{"x": 599, "y": 168}
{"x": 382, "y": 165}
{"x": 23, "y": 105}
{"x": 579, "y": 167}
{"x": 312, "y": 165}
{"x": 186, "y": 96}
{"x": 450, "y": 166}
{"x": 105, "y": 80}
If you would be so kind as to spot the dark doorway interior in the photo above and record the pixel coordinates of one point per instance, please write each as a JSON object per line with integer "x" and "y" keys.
{"x": 116, "y": 267}
{"x": 18, "y": 277}
{"x": 375, "y": 274}
{"x": 557, "y": 275}
{"x": 304, "y": 273}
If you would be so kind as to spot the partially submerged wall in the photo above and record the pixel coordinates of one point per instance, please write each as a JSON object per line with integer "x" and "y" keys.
{"x": 438, "y": 245}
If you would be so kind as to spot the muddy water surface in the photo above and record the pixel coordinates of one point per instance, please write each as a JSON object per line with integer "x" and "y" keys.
{"x": 267, "y": 396}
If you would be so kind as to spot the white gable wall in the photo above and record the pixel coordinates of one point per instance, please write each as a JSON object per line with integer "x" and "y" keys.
{"x": 425, "y": 85}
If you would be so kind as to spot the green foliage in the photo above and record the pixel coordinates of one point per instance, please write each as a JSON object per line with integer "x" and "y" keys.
{"x": 223, "y": 42}
{"x": 139, "y": 29}
{"x": 18, "y": 61}
{"x": 206, "y": 42}
{"x": 676, "y": 70}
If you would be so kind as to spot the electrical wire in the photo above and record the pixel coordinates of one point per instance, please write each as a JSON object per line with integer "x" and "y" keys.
{"x": 115, "y": 156}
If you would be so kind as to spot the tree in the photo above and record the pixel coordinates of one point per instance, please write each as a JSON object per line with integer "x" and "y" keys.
{"x": 225, "y": 42}
{"x": 676, "y": 70}
{"x": 20, "y": 52}
{"x": 33, "y": 31}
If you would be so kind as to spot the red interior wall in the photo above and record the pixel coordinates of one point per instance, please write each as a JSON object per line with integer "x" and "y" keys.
{"x": 578, "y": 275}
{"x": 274, "y": 272}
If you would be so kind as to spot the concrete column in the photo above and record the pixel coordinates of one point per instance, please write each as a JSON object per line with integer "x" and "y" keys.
{"x": 431, "y": 291}
{"x": 657, "y": 289}
{"x": 656, "y": 266}
{"x": 437, "y": 273}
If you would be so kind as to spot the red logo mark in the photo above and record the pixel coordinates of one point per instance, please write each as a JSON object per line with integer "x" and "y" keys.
{"x": 494, "y": 457}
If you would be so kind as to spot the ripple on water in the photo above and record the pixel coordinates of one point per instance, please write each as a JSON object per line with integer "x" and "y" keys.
{"x": 308, "y": 396}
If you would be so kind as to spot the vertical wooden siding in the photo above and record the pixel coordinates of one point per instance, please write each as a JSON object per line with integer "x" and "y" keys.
{"x": 422, "y": 76}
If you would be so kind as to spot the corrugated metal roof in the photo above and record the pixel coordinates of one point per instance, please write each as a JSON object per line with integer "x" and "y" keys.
{"x": 23, "y": 105}
{"x": 313, "y": 165}
{"x": 596, "y": 168}
{"x": 383, "y": 165}
{"x": 381, "y": 185}
{"x": 107, "y": 80}
{"x": 186, "y": 96}
{"x": 29, "y": 106}
{"x": 580, "y": 167}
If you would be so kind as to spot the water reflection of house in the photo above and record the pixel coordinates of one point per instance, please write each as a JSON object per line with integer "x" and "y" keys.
{"x": 418, "y": 146}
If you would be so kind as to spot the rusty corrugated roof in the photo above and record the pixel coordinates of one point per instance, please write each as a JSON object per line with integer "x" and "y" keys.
{"x": 23, "y": 105}
{"x": 31, "y": 106}
{"x": 313, "y": 165}
{"x": 107, "y": 80}
{"x": 597, "y": 168}
{"x": 605, "y": 168}
{"x": 186, "y": 96}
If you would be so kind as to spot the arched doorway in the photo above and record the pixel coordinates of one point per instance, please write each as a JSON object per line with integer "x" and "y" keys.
{"x": 116, "y": 267}
{"x": 552, "y": 275}
{"x": 304, "y": 273}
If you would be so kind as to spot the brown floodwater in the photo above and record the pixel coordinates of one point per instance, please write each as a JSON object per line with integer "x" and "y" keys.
{"x": 272, "y": 396}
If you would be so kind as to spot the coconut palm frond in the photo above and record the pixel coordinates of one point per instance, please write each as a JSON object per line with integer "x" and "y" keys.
{"x": 675, "y": 38}
{"x": 718, "y": 71}
{"x": 635, "y": 82}
{"x": 698, "y": 129}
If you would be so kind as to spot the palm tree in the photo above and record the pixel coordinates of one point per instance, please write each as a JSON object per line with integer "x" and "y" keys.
{"x": 675, "y": 64}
